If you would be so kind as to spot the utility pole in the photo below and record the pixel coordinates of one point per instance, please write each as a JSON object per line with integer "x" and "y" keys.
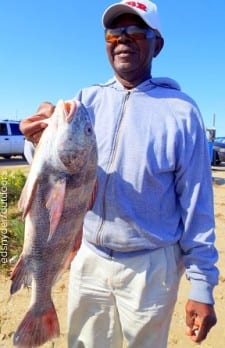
{"x": 214, "y": 120}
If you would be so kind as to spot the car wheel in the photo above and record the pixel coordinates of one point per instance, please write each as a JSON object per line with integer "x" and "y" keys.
{"x": 218, "y": 161}
{"x": 215, "y": 160}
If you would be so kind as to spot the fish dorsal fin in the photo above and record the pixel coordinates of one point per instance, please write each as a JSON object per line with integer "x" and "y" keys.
{"x": 27, "y": 195}
{"x": 55, "y": 204}
{"x": 30, "y": 187}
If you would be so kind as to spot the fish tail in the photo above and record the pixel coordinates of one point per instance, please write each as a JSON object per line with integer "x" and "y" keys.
{"x": 19, "y": 276}
{"x": 37, "y": 327}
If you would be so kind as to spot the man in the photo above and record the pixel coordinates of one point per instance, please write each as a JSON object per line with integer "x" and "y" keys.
{"x": 153, "y": 211}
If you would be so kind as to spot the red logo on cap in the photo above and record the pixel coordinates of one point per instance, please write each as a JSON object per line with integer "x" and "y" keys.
{"x": 138, "y": 5}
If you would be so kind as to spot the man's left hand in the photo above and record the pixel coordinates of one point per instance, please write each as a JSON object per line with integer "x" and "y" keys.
{"x": 200, "y": 318}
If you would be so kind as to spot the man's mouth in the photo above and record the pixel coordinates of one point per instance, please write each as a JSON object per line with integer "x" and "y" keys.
{"x": 123, "y": 53}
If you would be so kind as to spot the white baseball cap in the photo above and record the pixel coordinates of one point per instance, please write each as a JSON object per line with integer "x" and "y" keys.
{"x": 145, "y": 9}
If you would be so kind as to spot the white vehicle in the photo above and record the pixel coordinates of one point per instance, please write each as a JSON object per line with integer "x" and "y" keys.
{"x": 11, "y": 139}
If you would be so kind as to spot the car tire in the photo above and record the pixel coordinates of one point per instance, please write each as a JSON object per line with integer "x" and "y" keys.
{"x": 215, "y": 160}
{"x": 218, "y": 161}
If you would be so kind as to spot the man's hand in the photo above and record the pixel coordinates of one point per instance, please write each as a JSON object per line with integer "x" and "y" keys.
{"x": 32, "y": 127}
{"x": 200, "y": 318}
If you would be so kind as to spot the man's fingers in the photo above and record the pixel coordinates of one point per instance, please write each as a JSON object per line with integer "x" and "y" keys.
{"x": 32, "y": 127}
{"x": 46, "y": 108}
{"x": 200, "y": 318}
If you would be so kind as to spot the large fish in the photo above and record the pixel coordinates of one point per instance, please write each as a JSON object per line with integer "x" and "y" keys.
{"x": 54, "y": 201}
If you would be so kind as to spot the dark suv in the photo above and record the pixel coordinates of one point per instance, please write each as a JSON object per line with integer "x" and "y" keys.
{"x": 218, "y": 150}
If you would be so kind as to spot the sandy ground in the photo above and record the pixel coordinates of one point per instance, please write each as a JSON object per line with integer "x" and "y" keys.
{"x": 12, "y": 309}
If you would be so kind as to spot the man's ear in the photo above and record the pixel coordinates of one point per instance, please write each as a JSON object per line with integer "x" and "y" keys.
{"x": 159, "y": 43}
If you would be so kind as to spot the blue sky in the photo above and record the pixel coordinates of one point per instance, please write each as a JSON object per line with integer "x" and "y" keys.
{"x": 49, "y": 49}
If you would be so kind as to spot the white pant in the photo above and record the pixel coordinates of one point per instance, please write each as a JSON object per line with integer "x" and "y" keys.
{"x": 124, "y": 299}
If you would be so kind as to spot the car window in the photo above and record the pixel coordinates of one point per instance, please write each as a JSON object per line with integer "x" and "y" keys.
{"x": 15, "y": 129}
{"x": 3, "y": 129}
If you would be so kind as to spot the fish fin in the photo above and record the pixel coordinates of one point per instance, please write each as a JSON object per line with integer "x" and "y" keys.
{"x": 19, "y": 276}
{"x": 37, "y": 327}
{"x": 73, "y": 251}
{"x": 70, "y": 256}
{"x": 78, "y": 238}
{"x": 27, "y": 195}
{"x": 93, "y": 196}
{"x": 55, "y": 204}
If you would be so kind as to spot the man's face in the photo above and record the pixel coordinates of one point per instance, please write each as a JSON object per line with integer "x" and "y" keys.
{"x": 130, "y": 58}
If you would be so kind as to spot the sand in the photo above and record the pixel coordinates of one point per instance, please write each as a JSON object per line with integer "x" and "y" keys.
{"x": 12, "y": 309}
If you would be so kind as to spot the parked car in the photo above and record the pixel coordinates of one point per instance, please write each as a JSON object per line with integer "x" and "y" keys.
{"x": 218, "y": 150}
{"x": 11, "y": 139}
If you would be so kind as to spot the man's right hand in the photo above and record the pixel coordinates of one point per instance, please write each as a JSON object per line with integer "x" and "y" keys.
{"x": 32, "y": 127}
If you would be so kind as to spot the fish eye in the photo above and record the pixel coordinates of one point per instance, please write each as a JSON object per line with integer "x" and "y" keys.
{"x": 88, "y": 129}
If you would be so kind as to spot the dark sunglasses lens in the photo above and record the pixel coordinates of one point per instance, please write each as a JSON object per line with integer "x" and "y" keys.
{"x": 136, "y": 33}
{"x": 110, "y": 36}
{"x": 132, "y": 29}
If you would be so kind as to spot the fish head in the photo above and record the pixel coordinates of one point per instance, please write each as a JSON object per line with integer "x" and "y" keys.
{"x": 75, "y": 141}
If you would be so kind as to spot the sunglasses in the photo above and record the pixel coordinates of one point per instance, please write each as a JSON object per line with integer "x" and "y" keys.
{"x": 133, "y": 31}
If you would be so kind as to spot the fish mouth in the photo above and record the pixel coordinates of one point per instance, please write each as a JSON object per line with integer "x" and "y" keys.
{"x": 74, "y": 161}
